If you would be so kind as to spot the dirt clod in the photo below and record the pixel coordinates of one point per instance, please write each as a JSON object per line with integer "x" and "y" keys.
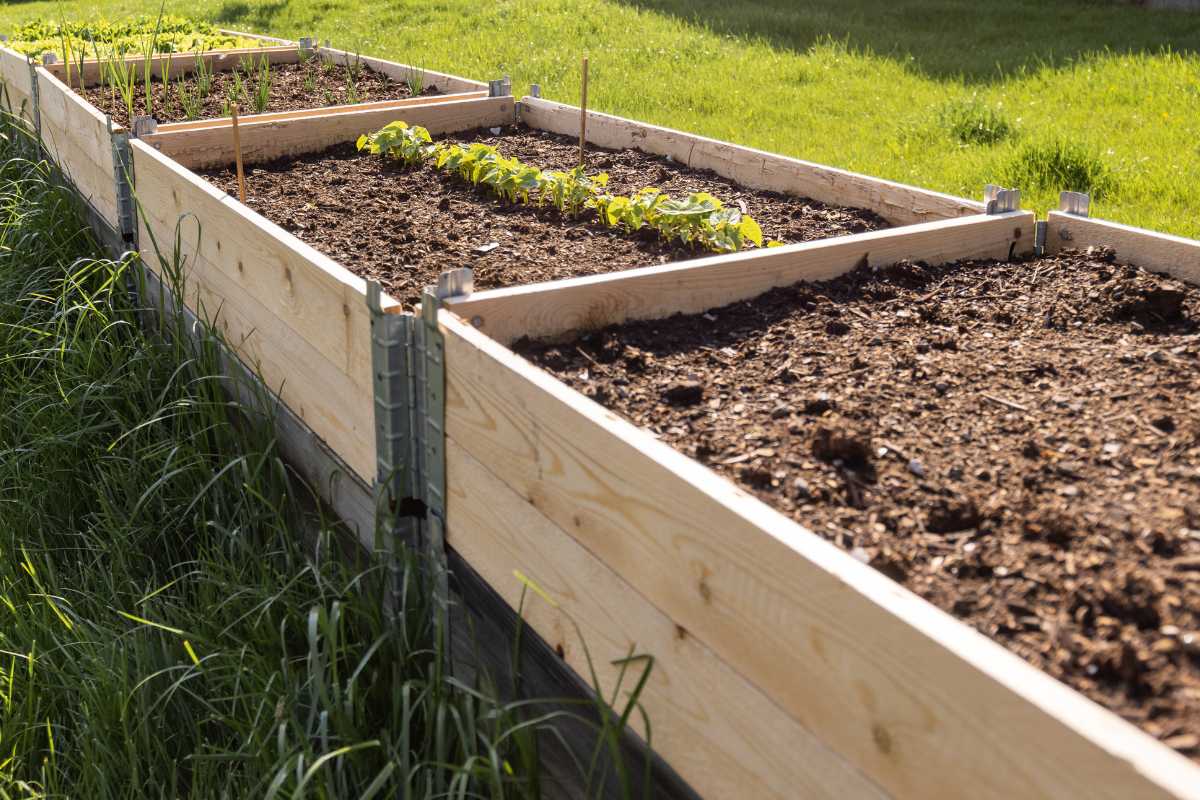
{"x": 838, "y": 439}
{"x": 684, "y": 393}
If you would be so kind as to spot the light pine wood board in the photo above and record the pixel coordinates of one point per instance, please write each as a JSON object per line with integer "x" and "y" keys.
{"x": 174, "y": 64}
{"x": 896, "y": 202}
{"x": 549, "y": 310}
{"x": 76, "y": 136}
{"x": 1158, "y": 252}
{"x": 14, "y": 73}
{"x": 723, "y": 735}
{"x": 303, "y": 315}
{"x": 209, "y": 148}
{"x": 921, "y": 704}
{"x": 225, "y": 122}
{"x": 405, "y": 72}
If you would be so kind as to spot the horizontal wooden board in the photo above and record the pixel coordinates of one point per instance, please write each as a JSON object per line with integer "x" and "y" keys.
{"x": 295, "y": 313}
{"x": 76, "y": 137}
{"x": 405, "y": 72}
{"x": 896, "y": 202}
{"x": 548, "y": 310}
{"x": 14, "y": 74}
{"x": 226, "y": 122}
{"x": 719, "y": 732}
{"x": 918, "y": 702}
{"x": 1160, "y": 252}
{"x": 173, "y": 64}
{"x": 209, "y": 148}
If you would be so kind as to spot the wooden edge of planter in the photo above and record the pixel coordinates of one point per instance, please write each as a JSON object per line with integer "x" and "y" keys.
{"x": 208, "y": 148}
{"x": 14, "y": 74}
{"x": 175, "y": 64}
{"x": 551, "y": 310}
{"x": 280, "y": 116}
{"x": 260, "y": 36}
{"x": 76, "y": 136}
{"x": 1177, "y": 256}
{"x": 290, "y": 311}
{"x": 404, "y": 72}
{"x": 919, "y": 703}
{"x": 898, "y": 203}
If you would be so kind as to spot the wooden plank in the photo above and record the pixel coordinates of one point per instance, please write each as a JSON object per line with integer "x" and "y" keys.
{"x": 225, "y": 122}
{"x": 554, "y": 309}
{"x": 918, "y": 702}
{"x": 260, "y": 36}
{"x": 209, "y": 148}
{"x": 721, "y": 734}
{"x": 403, "y": 72}
{"x": 1159, "y": 252}
{"x": 295, "y": 312}
{"x": 14, "y": 74}
{"x": 896, "y": 202}
{"x": 76, "y": 137}
{"x": 175, "y": 64}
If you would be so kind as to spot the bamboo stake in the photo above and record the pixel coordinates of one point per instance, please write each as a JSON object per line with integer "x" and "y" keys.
{"x": 237, "y": 155}
{"x": 583, "y": 112}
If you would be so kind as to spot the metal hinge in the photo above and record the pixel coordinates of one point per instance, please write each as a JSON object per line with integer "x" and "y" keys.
{"x": 123, "y": 176}
{"x": 1076, "y": 203}
{"x": 998, "y": 200}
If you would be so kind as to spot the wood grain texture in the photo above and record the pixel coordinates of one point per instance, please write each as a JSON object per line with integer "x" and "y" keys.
{"x": 76, "y": 137}
{"x": 291, "y": 311}
{"x": 896, "y": 202}
{"x": 548, "y": 310}
{"x": 209, "y": 148}
{"x": 1159, "y": 252}
{"x": 404, "y": 73}
{"x": 174, "y": 64}
{"x": 721, "y": 734}
{"x": 921, "y": 704}
{"x": 14, "y": 74}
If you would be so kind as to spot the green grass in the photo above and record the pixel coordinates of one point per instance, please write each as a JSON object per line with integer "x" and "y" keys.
{"x": 176, "y": 618}
{"x": 862, "y": 84}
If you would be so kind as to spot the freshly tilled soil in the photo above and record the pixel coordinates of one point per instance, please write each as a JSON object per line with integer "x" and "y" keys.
{"x": 1017, "y": 443}
{"x": 403, "y": 227}
{"x": 294, "y": 87}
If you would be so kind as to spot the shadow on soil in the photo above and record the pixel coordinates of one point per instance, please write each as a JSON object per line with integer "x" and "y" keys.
{"x": 948, "y": 38}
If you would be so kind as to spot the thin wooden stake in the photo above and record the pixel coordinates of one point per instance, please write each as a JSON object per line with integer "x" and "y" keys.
{"x": 237, "y": 155}
{"x": 583, "y": 112}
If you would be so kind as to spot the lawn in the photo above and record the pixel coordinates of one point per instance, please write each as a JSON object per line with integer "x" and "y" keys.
{"x": 948, "y": 94}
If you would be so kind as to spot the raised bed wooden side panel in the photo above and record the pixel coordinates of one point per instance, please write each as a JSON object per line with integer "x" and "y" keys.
{"x": 14, "y": 74}
{"x": 294, "y": 314}
{"x": 1160, "y": 252}
{"x": 898, "y": 203}
{"x": 212, "y": 147}
{"x": 174, "y": 64}
{"x": 645, "y": 547}
{"x": 76, "y": 136}
{"x": 404, "y": 72}
{"x": 695, "y": 286}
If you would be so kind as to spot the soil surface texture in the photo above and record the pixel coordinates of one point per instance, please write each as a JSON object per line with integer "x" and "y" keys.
{"x": 294, "y": 87}
{"x": 1017, "y": 443}
{"x": 403, "y": 227}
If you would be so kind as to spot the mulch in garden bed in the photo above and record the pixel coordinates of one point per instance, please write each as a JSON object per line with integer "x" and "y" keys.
{"x": 1017, "y": 443}
{"x": 403, "y": 227}
{"x": 293, "y": 87}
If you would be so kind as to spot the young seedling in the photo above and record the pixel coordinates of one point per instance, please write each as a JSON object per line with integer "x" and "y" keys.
{"x": 149, "y": 48}
{"x": 415, "y": 79}
{"x": 262, "y": 88}
{"x": 351, "y": 88}
{"x": 189, "y": 99}
{"x": 204, "y": 76}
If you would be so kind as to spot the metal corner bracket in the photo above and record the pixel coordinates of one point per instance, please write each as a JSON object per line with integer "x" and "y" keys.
{"x": 1075, "y": 203}
{"x": 123, "y": 176}
{"x": 998, "y": 200}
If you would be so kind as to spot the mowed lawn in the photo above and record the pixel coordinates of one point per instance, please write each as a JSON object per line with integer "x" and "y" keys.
{"x": 948, "y": 94}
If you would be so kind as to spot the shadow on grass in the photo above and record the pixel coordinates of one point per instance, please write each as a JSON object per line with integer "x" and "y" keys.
{"x": 948, "y": 38}
{"x": 261, "y": 16}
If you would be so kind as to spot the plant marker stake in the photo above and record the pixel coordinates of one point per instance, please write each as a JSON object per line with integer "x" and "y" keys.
{"x": 583, "y": 111}
{"x": 237, "y": 155}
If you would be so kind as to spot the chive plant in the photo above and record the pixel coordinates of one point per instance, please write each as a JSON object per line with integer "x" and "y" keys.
{"x": 177, "y": 615}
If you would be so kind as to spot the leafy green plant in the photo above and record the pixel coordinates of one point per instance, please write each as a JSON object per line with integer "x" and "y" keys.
{"x": 700, "y": 219}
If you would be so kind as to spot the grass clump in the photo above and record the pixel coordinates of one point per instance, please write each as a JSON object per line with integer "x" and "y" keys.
{"x": 971, "y": 122}
{"x": 1059, "y": 166}
{"x": 176, "y": 618}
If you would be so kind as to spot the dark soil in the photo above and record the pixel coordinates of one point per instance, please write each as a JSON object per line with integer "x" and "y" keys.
{"x": 403, "y": 227}
{"x": 294, "y": 87}
{"x": 1017, "y": 443}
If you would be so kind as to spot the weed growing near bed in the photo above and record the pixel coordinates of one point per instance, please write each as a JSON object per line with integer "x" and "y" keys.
{"x": 699, "y": 219}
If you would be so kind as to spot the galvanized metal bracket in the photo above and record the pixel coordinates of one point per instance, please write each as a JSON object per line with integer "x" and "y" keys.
{"x": 48, "y": 59}
{"x": 144, "y": 125}
{"x": 35, "y": 101}
{"x": 1076, "y": 203}
{"x": 998, "y": 200}
{"x": 535, "y": 90}
{"x": 1040, "y": 229}
{"x": 501, "y": 87}
{"x": 123, "y": 176}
